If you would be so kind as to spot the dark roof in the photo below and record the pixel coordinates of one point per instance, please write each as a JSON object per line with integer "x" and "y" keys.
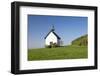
{"x": 53, "y": 33}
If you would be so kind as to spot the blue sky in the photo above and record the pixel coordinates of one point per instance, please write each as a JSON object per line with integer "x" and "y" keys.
{"x": 67, "y": 27}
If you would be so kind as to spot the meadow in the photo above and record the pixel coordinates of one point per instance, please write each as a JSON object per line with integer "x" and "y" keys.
{"x": 66, "y": 52}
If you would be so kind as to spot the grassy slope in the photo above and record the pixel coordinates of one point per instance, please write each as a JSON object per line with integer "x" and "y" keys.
{"x": 69, "y": 52}
{"x": 81, "y": 41}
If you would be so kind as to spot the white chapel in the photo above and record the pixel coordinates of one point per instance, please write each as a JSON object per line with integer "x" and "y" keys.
{"x": 52, "y": 37}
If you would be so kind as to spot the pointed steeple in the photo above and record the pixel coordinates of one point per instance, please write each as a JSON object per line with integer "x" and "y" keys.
{"x": 53, "y": 29}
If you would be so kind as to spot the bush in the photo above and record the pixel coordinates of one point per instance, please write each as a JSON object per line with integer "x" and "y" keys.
{"x": 52, "y": 45}
{"x": 48, "y": 46}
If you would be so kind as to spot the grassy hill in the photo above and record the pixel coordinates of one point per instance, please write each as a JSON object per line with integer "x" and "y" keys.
{"x": 77, "y": 50}
{"x": 81, "y": 41}
{"x": 69, "y": 52}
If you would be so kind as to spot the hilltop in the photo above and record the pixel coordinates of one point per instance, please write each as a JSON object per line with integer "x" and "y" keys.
{"x": 81, "y": 41}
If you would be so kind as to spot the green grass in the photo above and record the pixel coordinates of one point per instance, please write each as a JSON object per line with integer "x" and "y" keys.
{"x": 81, "y": 41}
{"x": 68, "y": 52}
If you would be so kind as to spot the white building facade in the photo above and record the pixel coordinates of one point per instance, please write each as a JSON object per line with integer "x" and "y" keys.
{"x": 52, "y": 37}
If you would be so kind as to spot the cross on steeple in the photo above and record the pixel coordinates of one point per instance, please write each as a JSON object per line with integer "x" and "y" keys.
{"x": 53, "y": 29}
